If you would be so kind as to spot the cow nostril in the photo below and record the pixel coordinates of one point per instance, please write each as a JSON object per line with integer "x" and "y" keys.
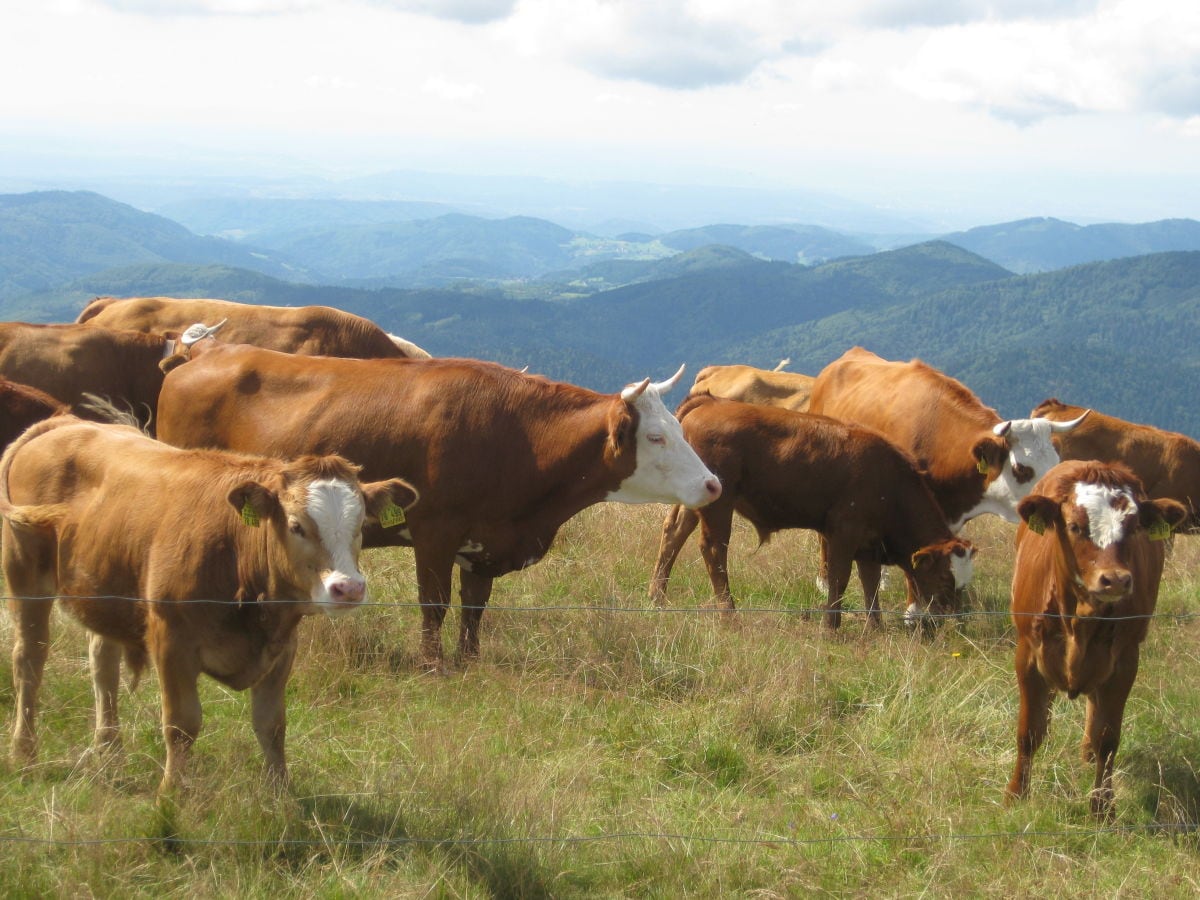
{"x": 713, "y": 486}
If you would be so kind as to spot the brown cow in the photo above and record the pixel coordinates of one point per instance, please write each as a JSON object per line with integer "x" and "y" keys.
{"x": 1167, "y": 463}
{"x": 787, "y": 390}
{"x": 100, "y": 515}
{"x": 976, "y": 463}
{"x": 501, "y": 459}
{"x": 782, "y": 469}
{"x": 307, "y": 330}
{"x": 20, "y": 407}
{"x": 1084, "y": 586}
{"x": 69, "y": 361}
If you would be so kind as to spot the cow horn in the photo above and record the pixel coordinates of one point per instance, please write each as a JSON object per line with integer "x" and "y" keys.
{"x": 1002, "y": 428}
{"x": 199, "y": 332}
{"x": 663, "y": 386}
{"x": 633, "y": 391}
{"x": 1060, "y": 427}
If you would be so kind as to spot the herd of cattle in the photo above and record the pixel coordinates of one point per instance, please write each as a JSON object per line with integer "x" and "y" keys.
{"x": 297, "y": 436}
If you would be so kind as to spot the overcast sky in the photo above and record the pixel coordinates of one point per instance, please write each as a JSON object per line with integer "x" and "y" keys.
{"x": 1083, "y": 109}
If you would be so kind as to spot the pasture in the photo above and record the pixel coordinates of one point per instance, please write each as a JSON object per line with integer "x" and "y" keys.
{"x": 603, "y": 748}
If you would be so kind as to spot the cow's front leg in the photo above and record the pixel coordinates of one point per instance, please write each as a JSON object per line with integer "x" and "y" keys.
{"x": 677, "y": 528}
{"x": 1102, "y": 734}
{"x": 1033, "y": 719}
{"x": 178, "y": 673}
{"x": 434, "y": 567}
{"x": 104, "y": 657}
{"x": 870, "y": 573}
{"x": 268, "y": 713}
{"x": 474, "y": 591}
{"x": 838, "y": 574}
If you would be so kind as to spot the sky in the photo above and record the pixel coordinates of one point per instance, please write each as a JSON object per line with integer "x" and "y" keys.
{"x": 1087, "y": 110}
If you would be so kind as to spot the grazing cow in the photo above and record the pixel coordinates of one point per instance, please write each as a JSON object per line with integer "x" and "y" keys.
{"x": 976, "y": 463}
{"x": 20, "y": 407}
{"x": 69, "y": 361}
{"x": 307, "y": 330}
{"x": 782, "y": 469}
{"x": 501, "y": 459}
{"x": 1167, "y": 463}
{"x": 97, "y": 514}
{"x": 1085, "y": 583}
{"x": 788, "y": 390}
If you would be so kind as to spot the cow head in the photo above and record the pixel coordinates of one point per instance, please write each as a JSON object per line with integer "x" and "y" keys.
{"x": 939, "y": 572}
{"x": 1096, "y": 512}
{"x": 665, "y": 467}
{"x": 1012, "y": 459}
{"x": 316, "y": 515}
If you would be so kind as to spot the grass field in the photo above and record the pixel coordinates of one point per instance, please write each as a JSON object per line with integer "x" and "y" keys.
{"x": 602, "y": 748}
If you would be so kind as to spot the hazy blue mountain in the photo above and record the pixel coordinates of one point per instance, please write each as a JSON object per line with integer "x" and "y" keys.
{"x": 806, "y": 244}
{"x": 1040, "y": 245}
{"x": 50, "y": 237}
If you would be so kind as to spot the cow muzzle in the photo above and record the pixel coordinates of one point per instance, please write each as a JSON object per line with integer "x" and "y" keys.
{"x": 343, "y": 592}
{"x": 1110, "y": 585}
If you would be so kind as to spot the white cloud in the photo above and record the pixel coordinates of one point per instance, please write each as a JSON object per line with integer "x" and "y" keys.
{"x": 445, "y": 89}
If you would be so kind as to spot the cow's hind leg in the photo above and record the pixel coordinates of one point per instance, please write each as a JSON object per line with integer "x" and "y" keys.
{"x": 28, "y": 563}
{"x": 474, "y": 593}
{"x": 715, "y": 528}
{"x": 104, "y": 657}
{"x": 677, "y": 528}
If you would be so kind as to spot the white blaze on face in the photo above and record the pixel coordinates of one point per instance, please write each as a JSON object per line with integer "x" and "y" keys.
{"x": 337, "y": 510}
{"x": 668, "y": 469}
{"x": 962, "y": 568}
{"x": 1107, "y": 510}
{"x": 1029, "y": 445}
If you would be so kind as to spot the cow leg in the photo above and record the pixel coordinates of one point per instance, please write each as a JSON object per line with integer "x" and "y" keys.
{"x": 31, "y": 644}
{"x": 178, "y": 673}
{"x": 474, "y": 593}
{"x": 1033, "y": 719}
{"x": 434, "y": 568}
{"x": 869, "y": 575}
{"x": 268, "y": 714}
{"x": 823, "y": 564}
{"x": 715, "y": 528}
{"x": 104, "y": 657}
{"x": 1102, "y": 729}
{"x": 838, "y": 574}
{"x": 677, "y": 528}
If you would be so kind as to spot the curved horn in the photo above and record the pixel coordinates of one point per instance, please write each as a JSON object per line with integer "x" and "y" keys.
{"x": 1002, "y": 428}
{"x": 1060, "y": 427}
{"x": 199, "y": 332}
{"x": 663, "y": 386}
{"x": 633, "y": 391}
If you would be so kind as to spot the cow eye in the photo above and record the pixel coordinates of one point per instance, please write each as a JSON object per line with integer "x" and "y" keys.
{"x": 296, "y": 528}
{"x": 1074, "y": 529}
{"x": 656, "y": 439}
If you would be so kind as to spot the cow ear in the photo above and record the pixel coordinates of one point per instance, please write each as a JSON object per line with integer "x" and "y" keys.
{"x": 923, "y": 557}
{"x": 989, "y": 453}
{"x": 388, "y": 501}
{"x": 621, "y": 426}
{"x": 1159, "y": 517}
{"x": 1039, "y": 512}
{"x": 253, "y": 502}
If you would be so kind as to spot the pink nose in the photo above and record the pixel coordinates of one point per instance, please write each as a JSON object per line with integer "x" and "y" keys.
{"x": 348, "y": 590}
{"x": 713, "y": 487}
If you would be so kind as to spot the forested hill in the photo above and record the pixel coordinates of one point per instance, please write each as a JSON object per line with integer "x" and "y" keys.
{"x": 1123, "y": 336}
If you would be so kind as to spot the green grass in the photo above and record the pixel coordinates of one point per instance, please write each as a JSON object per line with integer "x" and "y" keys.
{"x": 602, "y": 748}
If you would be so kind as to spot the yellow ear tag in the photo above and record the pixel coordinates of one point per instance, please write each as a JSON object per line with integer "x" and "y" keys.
{"x": 1036, "y": 523}
{"x": 981, "y": 466}
{"x": 391, "y": 516}
{"x": 249, "y": 515}
{"x": 1160, "y": 530}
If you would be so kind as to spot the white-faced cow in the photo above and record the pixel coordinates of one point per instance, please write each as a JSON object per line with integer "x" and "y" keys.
{"x": 201, "y": 561}
{"x": 1084, "y": 587}
{"x": 782, "y": 469}
{"x": 307, "y": 330}
{"x": 501, "y": 459}
{"x": 1167, "y": 463}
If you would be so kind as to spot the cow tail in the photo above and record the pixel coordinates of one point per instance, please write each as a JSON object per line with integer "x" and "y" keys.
{"x": 135, "y": 662}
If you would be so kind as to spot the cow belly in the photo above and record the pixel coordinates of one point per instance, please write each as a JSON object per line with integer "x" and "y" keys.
{"x": 240, "y": 661}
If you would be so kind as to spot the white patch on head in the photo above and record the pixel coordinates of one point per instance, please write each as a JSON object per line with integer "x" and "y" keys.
{"x": 1029, "y": 445}
{"x": 668, "y": 469}
{"x": 1107, "y": 509}
{"x": 337, "y": 510}
{"x": 962, "y": 568}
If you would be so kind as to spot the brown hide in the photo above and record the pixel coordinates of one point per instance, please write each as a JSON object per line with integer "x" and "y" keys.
{"x": 782, "y": 469}
{"x": 20, "y": 407}
{"x": 137, "y": 539}
{"x": 307, "y": 330}
{"x": 1081, "y": 610}
{"x": 1167, "y": 463}
{"x": 68, "y": 361}
{"x": 501, "y": 459}
{"x": 787, "y": 390}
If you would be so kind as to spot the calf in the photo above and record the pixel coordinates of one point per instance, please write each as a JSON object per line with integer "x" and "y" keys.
{"x": 201, "y": 561}
{"x": 783, "y": 469}
{"x": 1084, "y": 587}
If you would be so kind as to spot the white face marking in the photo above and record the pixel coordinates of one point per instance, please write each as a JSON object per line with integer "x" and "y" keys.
{"x": 1106, "y": 508}
{"x": 1028, "y": 445}
{"x": 668, "y": 469}
{"x": 337, "y": 510}
{"x": 962, "y": 568}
